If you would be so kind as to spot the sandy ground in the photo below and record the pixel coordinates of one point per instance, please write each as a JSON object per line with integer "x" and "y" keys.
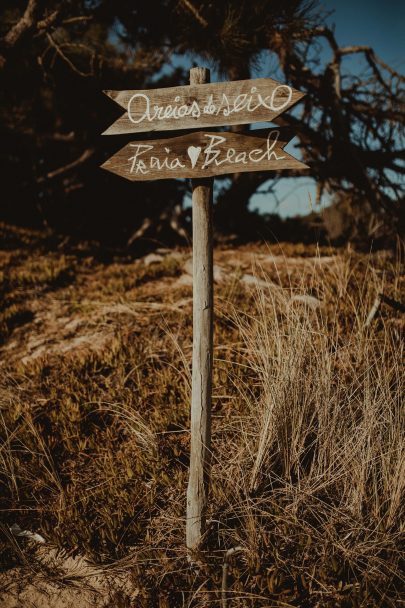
{"x": 55, "y": 581}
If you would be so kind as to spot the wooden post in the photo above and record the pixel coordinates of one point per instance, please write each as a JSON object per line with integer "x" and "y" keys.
{"x": 200, "y": 450}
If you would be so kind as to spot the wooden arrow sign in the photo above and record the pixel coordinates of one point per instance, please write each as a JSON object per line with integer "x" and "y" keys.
{"x": 202, "y": 105}
{"x": 204, "y": 154}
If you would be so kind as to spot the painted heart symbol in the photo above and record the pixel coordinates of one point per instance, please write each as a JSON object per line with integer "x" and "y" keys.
{"x": 194, "y": 153}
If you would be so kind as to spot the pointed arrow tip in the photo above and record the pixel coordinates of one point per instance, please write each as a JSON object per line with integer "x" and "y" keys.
{"x": 107, "y": 131}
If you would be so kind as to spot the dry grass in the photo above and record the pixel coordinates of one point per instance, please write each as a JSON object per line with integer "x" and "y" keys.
{"x": 312, "y": 474}
{"x": 308, "y": 435}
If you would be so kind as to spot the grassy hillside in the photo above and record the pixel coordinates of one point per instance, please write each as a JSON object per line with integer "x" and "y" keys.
{"x": 308, "y": 447}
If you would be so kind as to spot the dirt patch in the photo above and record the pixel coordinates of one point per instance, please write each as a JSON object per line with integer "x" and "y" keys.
{"x": 80, "y": 318}
{"x": 54, "y": 581}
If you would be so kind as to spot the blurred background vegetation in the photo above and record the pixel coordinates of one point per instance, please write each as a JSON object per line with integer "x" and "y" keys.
{"x": 56, "y": 58}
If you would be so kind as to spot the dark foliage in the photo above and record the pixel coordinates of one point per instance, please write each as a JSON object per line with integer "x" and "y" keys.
{"x": 56, "y": 57}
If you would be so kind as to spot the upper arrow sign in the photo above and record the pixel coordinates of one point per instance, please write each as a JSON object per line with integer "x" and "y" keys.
{"x": 204, "y": 105}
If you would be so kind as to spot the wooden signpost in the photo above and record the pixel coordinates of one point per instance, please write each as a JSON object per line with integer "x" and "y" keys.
{"x": 200, "y": 156}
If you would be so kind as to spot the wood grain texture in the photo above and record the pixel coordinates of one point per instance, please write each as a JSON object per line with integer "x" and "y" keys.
{"x": 204, "y": 154}
{"x": 202, "y": 105}
{"x": 203, "y": 312}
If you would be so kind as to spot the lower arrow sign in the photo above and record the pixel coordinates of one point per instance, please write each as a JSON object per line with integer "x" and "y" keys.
{"x": 204, "y": 154}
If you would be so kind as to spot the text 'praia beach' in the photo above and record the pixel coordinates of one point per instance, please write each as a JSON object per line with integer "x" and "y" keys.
{"x": 203, "y": 154}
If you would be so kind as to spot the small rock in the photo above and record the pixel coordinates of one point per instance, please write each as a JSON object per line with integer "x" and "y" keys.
{"x": 219, "y": 274}
{"x": 17, "y": 531}
{"x": 176, "y": 255}
{"x": 309, "y": 301}
{"x": 152, "y": 258}
{"x": 250, "y": 279}
{"x": 188, "y": 266}
{"x": 185, "y": 280}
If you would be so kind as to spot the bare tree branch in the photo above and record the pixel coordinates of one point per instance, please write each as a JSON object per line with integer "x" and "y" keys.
{"x": 79, "y": 19}
{"x": 22, "y": 26}
{"x": 190, "y": 7}
{"x": 18, "y": 30}
{"x": 58, "y": 50}
{"x": 66, "y": 168}
{"x": 44, "y": 24}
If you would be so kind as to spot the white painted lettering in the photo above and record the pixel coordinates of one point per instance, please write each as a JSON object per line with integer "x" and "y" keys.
{"x": 140, "y": 109}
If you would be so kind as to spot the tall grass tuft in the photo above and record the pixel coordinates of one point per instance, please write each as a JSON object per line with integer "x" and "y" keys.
{"x": 310, "y": 478}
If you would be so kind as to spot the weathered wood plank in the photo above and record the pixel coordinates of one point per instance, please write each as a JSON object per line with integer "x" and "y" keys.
{"x": 203, "y": 313}
{"x": 203, "y": 154}
{"x": 202, "y": 105}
